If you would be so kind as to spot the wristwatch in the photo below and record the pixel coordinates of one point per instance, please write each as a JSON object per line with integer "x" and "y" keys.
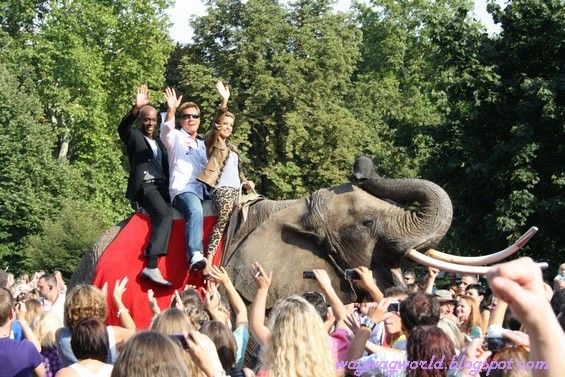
{"x": 368, "y": 322}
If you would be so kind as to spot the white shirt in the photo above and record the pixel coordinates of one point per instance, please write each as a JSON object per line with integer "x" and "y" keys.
{"x": 230, "y": 172}
{"x": 187, "y": 159}
{"x": 57, "y": 307}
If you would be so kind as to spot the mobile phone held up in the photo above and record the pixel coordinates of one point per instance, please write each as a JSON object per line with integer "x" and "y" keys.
{"x": 352, "y": 274}
{"x": 181, "y": 339}
{"x": 393, "y": 307}
{"x": 308, "y": 275}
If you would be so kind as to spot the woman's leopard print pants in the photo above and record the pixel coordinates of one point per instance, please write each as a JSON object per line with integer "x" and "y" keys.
{"x": 224, "y": 199}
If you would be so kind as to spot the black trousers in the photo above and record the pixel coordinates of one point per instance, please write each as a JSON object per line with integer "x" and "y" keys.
{"x": 155, "y": 200}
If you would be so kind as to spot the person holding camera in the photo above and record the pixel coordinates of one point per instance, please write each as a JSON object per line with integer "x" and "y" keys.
{"x": 148, "y": 179}
{"x": 419, "y": 309}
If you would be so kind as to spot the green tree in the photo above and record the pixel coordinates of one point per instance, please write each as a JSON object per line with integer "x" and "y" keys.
{"x": 394, "y": 83}
{"x": 65, "y": 237}
{"x": 290, "y": 70}
{"x": 31, "y": 181}
{"x": 500, "y": 145}
{"x": 90, "y": 55}
{"x": 73, "y": 70}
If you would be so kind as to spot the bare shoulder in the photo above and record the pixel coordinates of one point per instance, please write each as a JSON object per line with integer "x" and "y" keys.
{"x": 66, "y": 372}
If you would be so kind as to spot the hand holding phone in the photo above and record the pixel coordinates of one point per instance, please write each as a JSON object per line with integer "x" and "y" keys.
{"x": 351, "y": 274}
{"x": 181, "y": 338}
{"x": 393, "y": 307}
{"x": 308, "y": 275}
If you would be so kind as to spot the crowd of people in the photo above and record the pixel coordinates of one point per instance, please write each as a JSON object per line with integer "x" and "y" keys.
{"x": 442, "y": 324}
{"x": 445, "y": 327}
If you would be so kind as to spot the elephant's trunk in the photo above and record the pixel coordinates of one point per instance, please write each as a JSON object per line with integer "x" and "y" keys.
{"x": 418, "y": 229}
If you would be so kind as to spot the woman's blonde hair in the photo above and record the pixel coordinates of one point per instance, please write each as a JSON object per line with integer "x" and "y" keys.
{"x": 299, "y": 345}
{"x": 84, "y": 301}
{"x": 44, "y": 326}
{"x": 33, "y": 309}
{"x": 150, "y": 354}
{"x": 176, "y": 322}
{"x": 172, "y": 321}
{"x": 474, "y": 316}
{"x": 452, "y": 331}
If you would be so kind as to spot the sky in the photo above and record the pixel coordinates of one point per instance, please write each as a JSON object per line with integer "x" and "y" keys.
{"x": 183, "y": 9}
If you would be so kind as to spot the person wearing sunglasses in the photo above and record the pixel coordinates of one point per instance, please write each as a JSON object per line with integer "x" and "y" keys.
{"x": 187, "y": 158}
{"x": 148, "y": 179}
{"x": 223, "y": 174}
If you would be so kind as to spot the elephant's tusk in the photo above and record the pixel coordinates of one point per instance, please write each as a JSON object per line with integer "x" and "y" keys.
{"x": 485, "y": 259}
{"x": 420, "y": 258}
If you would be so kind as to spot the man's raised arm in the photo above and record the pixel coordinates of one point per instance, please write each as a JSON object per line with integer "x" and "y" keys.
{"x": 141, "y": 99}
{"x": 168, "y": 126}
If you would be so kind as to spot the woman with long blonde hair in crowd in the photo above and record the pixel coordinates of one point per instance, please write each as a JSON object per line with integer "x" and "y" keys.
{"x": 176, "y": 323}
{"x": 298, "y": 345}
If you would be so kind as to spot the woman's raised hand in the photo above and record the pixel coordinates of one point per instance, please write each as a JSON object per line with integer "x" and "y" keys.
{"x": 224, "y": 92}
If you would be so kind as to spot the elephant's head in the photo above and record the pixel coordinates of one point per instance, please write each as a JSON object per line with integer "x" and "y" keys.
{"x": 343, "y": 227}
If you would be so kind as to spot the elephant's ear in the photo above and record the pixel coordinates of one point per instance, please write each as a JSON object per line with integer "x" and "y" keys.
{"x": 316, "y": 244}
{"x": 296, "y": 235}
{"x": 287, "y": 277}
{"x": 238, "y": 266}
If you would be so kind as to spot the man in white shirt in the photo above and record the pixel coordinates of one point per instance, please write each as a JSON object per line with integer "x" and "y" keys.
{"x": 51, "y": 298}
{"x": 187, "y": 159}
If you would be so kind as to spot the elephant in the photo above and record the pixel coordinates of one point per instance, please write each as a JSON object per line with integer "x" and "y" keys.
{"x": 358, "y": 223}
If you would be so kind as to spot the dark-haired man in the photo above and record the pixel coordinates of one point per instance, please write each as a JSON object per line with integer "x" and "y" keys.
{"x": 148, "y": 179}
{"x": 51, "y": 297}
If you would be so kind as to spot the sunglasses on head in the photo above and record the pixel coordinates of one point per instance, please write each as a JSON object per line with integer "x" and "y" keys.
{"x": 189, "y": 116}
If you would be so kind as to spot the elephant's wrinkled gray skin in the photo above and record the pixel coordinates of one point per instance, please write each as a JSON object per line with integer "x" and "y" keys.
{"x": 334, "y": 229}
{"x": 351, "y": 225}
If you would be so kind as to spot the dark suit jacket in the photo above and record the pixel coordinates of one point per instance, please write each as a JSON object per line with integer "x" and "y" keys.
{"x": 140, "y": 155}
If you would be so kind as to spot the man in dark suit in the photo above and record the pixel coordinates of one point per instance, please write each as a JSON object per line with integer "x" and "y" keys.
{"x": 148, "y": 179}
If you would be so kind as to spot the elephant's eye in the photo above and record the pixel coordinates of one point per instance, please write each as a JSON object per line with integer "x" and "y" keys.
{"x": 368, "y": 222}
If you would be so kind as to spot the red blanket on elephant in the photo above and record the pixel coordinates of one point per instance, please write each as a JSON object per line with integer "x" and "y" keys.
{"x": 124, "y": 257}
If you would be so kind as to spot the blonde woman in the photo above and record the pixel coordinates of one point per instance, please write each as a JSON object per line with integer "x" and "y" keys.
{"x": 176, "y": 323}
{"x": 299, "y": 344}
{"x": 469, "y": 316}
{"x": 44, "y": 326}
{"x": 295, "y": 341}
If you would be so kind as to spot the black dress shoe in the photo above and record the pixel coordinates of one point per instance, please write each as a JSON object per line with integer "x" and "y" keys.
{"x": 155, "y": 276}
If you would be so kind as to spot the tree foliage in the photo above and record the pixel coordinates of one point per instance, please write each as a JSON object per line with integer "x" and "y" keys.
{"x": 290, "y": 69}
{"x": 501, "y": 145}
{"x": 70, "y": 73}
